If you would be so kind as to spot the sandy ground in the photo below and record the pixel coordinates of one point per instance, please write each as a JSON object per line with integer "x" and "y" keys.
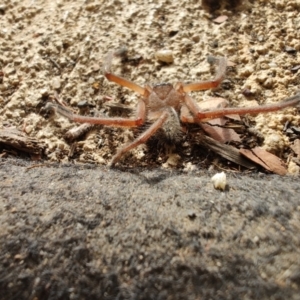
{"x": 57, "y": 47}
{"x": 67, "y": 233}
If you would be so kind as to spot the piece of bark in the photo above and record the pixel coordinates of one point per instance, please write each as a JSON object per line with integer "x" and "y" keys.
{"x": 16, "y": 139}
{"x": 265, "y": 159}
{"x": 228, "y": 152}
{"x": 78, "y": 131}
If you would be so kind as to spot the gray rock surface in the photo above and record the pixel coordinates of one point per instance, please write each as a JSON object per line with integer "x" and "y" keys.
{"x": 87, "y": 232}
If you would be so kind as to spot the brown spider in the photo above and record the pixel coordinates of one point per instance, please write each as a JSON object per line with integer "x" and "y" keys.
{"x": 166, "y": 106}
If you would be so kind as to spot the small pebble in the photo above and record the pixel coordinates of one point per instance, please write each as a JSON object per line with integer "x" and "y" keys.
{"x": 56, "y": 83}
{"x": 2, "y": 8}
{"x": 289, "y": 50}
{"x": 164, "y": 56}
{"x": 295, "y": 69}
{"x": 247, "y": 93}
{"x": 192, "y": 215}
{"x": 220, "y": 19}
{"x": 273, "y": 65}
{"x": 219, "y": 181}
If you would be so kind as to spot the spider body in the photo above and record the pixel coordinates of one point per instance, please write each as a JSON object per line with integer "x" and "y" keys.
{"x": 166, "y": 107}
{"x": 164, "y": 98}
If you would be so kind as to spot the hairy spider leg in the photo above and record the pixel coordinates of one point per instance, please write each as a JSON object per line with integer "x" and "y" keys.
{"x": 117, "y": 79}
{"x": 209, "y": 84}
{"x": 117, "y": 122}
{"x": 142, "y": 138}
{"x": 221, "y": 112}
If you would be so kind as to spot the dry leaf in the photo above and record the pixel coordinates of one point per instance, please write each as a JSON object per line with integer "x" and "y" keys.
{"x": 265, "y": 159}
{"x": 214, "y": 129}
{"x": 213, "y": 102}
{"x": 296, "y": 147}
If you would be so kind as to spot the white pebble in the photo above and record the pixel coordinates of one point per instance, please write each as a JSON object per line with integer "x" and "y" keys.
{"x": 164, "y": 56}
{"x": 56, "y": 83}
{"x": 219, "y": 181}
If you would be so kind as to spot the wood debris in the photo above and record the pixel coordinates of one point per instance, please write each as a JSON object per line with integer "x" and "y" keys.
{"x": 14, "y": 138}
{"x": 226, "y": 151}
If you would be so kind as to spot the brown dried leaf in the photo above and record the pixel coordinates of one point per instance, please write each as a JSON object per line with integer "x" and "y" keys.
{"x": 214, "y": 129}
{"x": 234, "y": 117}
{"x": 265, "y": 159}
{"x": 296, "y": 147}
{"x": 213, "y": 102}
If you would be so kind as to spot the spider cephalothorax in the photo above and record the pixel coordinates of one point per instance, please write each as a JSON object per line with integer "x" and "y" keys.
{"x": 167, "y": 106}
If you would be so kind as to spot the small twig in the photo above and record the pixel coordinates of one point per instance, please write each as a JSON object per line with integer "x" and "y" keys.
{"x": 55, "y": 63}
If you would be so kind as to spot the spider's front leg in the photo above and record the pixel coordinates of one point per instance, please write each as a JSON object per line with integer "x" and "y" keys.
{"x": 138, "y": 120}
{"x": 117, "y": 79}
{"x": 209, "y": 84}
{"x": 221, "y": 112}
{"x": 201, "y": 116}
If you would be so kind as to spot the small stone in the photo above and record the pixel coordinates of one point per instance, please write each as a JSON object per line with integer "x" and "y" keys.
{"x": 247, "y": 93}
{"x": 290, "y": 50}
{"x": 84, "y": 104}
{"x": 220, "y": 19}
{"x": 2, "y": 9}
{"x": 196, "y": 38}
{"x": 173, "y": 32}
{"x": 261, "y": 38}
{"x": 268, "y": 84}
{"x": 247, "y": 71}
{"x": 256, "y": 239}
{"x": 192, "y": 215}
{"x": 295, "y": 68}
{"x": 56, "y": 83}
{"x": 219, "y": 181}
{"x": 272, "y": 65}
{"x": 164, "y": 56}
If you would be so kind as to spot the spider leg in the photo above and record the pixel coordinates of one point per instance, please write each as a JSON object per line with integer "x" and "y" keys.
{"x": 117, "y": 79}
{"x": 116, "y": 122}
{"x": 209, "y": 84}
{"x": 221, "y": 112}
{"x": 141, "y": 139}
{"x": 186, "y": 117}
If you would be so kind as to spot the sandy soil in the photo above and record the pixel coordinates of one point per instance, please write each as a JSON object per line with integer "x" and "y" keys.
{"x": 67, "y": 233}
{"x": 57, "y": 47}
